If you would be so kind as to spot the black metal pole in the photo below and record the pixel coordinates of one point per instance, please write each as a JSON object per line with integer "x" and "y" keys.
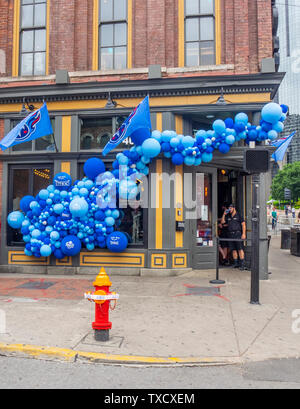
{"x": 217, "y": 280}
{"x": 255, "y": 242}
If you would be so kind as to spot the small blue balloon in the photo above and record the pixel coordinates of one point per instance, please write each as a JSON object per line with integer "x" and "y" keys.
{"x": 241, "y": 117}
{"x": 219, "y": 126}
{"x": 45, "y": 250}
{"x": 151, "y": 148}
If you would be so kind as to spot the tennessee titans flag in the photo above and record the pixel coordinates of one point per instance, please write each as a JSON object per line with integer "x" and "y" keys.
{"x": 282, "y": 144}
{"x": 137, "y": 126}
{"x": 34, "y": 126}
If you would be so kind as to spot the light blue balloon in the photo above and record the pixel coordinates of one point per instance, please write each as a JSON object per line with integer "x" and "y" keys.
{"x": 207, "y": 157}
{"x": 27, "y": 238}
{"x": 79, "y": 207}
{"x": 83, "y": 192}
{"x": 58, "y": 208}
{"x": 90, "y": 246}
{"x": 156, "y": 135}
{"x": 174, "y": 142}
{"x": 198, "y": 161}
{"x": 33, "y": 205}
{"x": 44, "y": 194}
{"x": 123, "y": 160}
{"x": 230, "y": 139}
{"x": 189, "y": 160}
{"x": 28, "y": 253}
{"x": 219, "y": 126}
{"x": 272, "y": 135}
{"x": 54, "y": 235}
{"x": 15, "y": 219}
{"x": 110, "y": 221}
{"x": 242, "y": 117}
{"x": 271, "y": 113}
{"x": 35, "y": 233}
{"x": 151, "y": 148}
{"x": 115, "y": 214}
{"x": 45, "y": 250}
{"x": 188, "y": 142}
{"x": 278, "y": 127}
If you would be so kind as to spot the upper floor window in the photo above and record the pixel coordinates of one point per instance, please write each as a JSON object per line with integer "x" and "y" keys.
{"x": 33, "y": 37}
{"x": 112, "y": 34}
{"x": 199, "y": 33}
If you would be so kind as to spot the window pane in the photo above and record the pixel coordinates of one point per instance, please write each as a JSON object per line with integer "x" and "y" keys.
{"x": 192, "y": 29}
{"x": 106, "y": 10}
{"x": 27, "y": 41}
{"x": 106, "y": 35}
{"x": 107, "y": 58}
{"x": 40, "y": 40}
{"x": 191, "y": 7}
{"x": 206, "y": 6}
{"x": 27, "y": 1}
{"x": 207, "y": 53}
{"x": 120, "y": 34}
{"x": 207, "y": 29}
{"x": 132, "y": 223}
{"x": 27, "y": 16}
{"x": 39, "y": 63}
{"x": 46, "y": 143}
{"x": 40, "y": 15}
{"x": 192, "y": 54}
{"x": 41, "y": 179}
{"x": 120, "y": 10}
{"x": 26, "y": 64}
{"x": 95, "y": 133}
{"x": 204, "y": 210}
{"x": 120, "y": 58}
{"x": 26, "y": 146}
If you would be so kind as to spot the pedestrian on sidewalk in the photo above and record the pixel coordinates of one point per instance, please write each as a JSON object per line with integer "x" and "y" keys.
{"x": 236, "y": 228}
{"x": 274, "y": 218}
{"x": 293, "y": 213}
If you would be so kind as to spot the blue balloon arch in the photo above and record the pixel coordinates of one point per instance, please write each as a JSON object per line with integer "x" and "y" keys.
{"x": 66, "y": 217}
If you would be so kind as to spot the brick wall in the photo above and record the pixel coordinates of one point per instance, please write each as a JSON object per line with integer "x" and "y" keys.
{"x": 246, "y": 33}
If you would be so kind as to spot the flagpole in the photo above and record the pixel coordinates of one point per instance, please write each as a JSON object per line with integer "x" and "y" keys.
{"x": 56, "y": 148}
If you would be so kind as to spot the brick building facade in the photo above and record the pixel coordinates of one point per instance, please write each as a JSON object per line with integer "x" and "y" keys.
{"x": 183, "y": 69}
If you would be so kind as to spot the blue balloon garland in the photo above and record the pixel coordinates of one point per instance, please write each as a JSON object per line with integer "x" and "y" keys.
{"x": 66, "y": 217}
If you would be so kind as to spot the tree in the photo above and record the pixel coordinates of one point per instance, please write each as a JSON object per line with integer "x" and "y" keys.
{"x": 288, "y": 177}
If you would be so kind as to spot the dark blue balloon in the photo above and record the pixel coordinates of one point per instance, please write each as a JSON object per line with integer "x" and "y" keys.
{"x": 177, "y": 159}
{"x": 62, "y": 181}
{"x": 25, "y": 202}
{"x": 117, "y": 242}
{"x": 229, "y": 122}
{"x": 93, "y": 167}
{"x": 71, "y": 245}
{"x": 51, "y": 220}
{"x": 59, "y": 254}
{"x": 239, "y": 127}
{"x": 165, "y": 147}
{"x": 224, "y": 148}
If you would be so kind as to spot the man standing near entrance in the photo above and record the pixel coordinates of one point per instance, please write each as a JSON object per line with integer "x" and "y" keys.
{"x": 236, "y": 228}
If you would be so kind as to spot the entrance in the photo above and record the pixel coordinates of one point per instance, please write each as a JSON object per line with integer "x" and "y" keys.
{"x": 205, "y": 218}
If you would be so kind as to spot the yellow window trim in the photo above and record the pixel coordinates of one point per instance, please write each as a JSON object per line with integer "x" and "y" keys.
{"x": 95, "y": 62}
{"x": 181, "y": 45}
{"x": 16, "y": 38}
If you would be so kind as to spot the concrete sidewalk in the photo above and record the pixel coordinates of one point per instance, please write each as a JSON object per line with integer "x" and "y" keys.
{"x": 157, "y": 320}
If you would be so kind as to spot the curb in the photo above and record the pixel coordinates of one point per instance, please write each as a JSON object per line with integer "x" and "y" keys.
{"x": 70, "y": 355}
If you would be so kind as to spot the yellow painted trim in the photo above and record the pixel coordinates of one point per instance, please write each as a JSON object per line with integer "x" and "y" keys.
{"x": 179, "y": 256}
{"x": 218, "y": 39}
{"x": 154, "y": 102}
{"x": 35, "y": 351}
{"x": 16, "y": 39}
{"x": 181, "y": 59}
{"x": 159, "y": 210}
{"x": 67, "y": 261}
{"x": 66, "y": 134}
{"x": 95, "y": 63}
{"x": 161, "y": 256}
{"x": 129, "y": 35}
{"x": 47, "y": 37}
{"x": 158, "y": 121}
{"x": 66, "y": 167}
{"x": 18, "y": 257}
{"x": 109, "y": 260}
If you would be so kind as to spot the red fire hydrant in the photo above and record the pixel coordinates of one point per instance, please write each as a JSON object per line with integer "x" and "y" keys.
{"x": 102, "y": 297}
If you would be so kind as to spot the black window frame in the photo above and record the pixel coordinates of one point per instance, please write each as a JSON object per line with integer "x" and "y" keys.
{"x": 199, "y": 17}
{"x": 34, "y": 29}
{"x": 112, "y": 22}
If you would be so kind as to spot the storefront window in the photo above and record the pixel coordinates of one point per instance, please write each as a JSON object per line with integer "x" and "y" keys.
{"x": 204, "y": 209}
{"x": 23, "y": 181}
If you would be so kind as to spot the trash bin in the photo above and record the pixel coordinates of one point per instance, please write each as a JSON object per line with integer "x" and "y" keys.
{"x": 295, "y": 241}
{"x": 285, "y": 239}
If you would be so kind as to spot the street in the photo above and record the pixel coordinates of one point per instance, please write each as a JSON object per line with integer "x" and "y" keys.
{"x": 39, "y": 374}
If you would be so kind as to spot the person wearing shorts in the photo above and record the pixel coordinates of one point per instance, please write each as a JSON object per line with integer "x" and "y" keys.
{"x": 236, "y": 228}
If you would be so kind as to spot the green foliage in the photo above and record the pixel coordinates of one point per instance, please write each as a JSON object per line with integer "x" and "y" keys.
{"x": 288, "y": 177}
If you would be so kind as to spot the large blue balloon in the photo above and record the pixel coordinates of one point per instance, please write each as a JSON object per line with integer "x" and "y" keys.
{"x": 15, "y": 219}
{"x": 117, "y": 242}
{"x": 151, "y": 148}
{"x": 71, "y": 245}
{"x": 79, "y": 207}
{"x": 62, "y": 181}
{"x": 25, "y": 203}
{"x": 93, "y": 167}
{"x": 271, "y": 113}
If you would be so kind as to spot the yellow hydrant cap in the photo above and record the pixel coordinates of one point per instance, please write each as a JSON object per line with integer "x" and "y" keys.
{"x": 102, "y": 279}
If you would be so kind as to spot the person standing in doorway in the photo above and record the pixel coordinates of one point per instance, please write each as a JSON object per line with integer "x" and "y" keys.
{"x": 236, "y": 228}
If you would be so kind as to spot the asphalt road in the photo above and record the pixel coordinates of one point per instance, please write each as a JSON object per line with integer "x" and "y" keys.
{"x": 19, "y": 373}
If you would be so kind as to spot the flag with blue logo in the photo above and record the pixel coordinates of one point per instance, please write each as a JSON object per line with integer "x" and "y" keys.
{"x": 137, "y": 126}
{"x": 282, "y": 145}
{"x": 36, "y": 125}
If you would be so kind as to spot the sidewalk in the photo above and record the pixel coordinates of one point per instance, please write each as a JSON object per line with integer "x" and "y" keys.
{"x": 157, "y": 320}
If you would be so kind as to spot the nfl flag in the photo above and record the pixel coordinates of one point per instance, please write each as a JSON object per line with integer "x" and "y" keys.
{"x": 282, "y": 145}
{"x": 137, "y": 126}
{"x": 34, "y": 126}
